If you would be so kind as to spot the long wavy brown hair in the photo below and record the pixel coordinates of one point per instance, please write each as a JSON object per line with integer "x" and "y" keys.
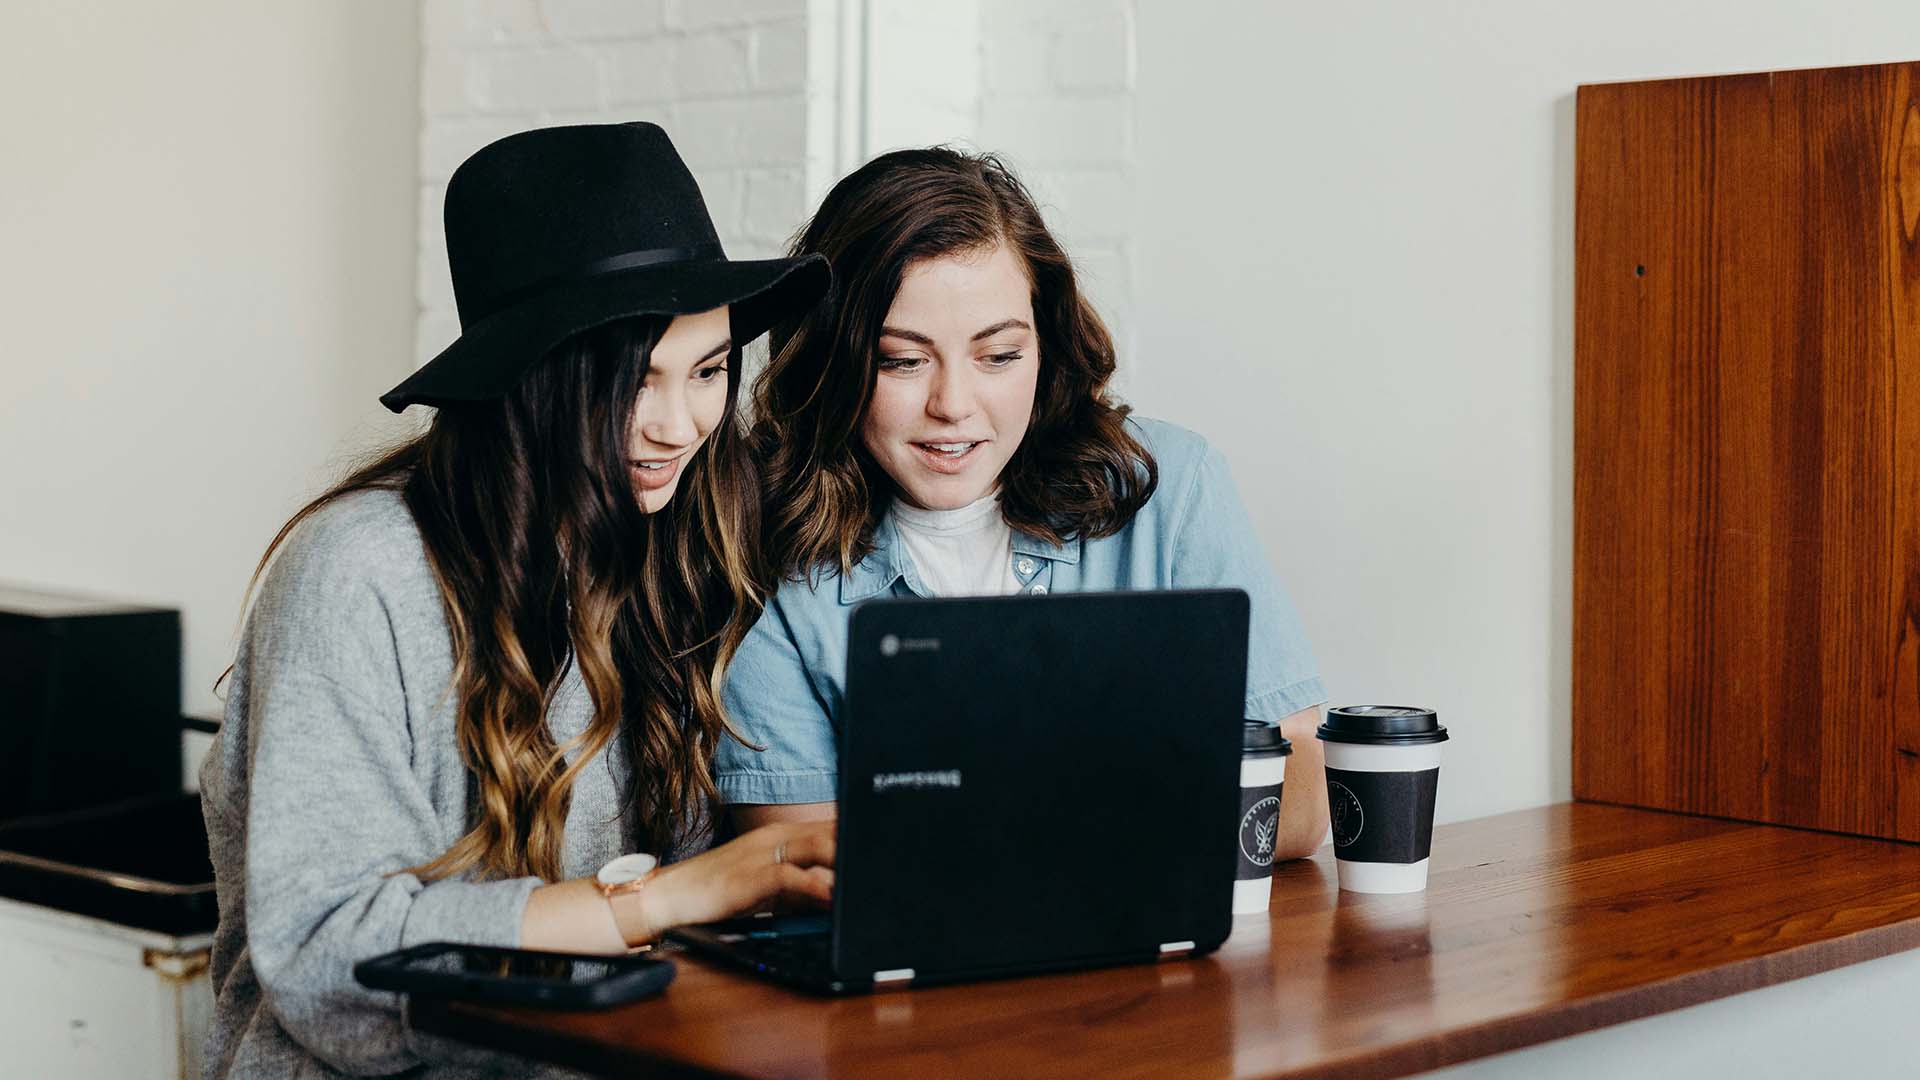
{"x": 544, "y": 557}
{"x": 1078, "y": 471}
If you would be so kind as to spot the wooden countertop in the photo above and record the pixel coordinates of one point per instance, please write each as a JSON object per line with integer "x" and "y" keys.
{"x": 1535, "y": 925}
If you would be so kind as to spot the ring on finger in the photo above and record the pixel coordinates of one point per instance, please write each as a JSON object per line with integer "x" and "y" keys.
{"x": 780, "y": 853}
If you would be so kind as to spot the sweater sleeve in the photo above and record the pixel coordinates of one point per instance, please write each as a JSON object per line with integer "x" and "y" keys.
{"x": 334, "y": 814}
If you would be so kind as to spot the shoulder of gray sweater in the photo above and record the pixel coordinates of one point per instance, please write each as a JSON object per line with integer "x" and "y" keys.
{"x": 330, "y": 591}
{"x": 363, "y": 542}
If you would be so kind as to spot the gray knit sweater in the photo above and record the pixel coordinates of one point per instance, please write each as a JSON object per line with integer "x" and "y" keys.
{"x": 336, "y": 767}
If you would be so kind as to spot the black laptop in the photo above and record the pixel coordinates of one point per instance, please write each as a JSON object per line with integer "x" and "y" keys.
{"x": 1026, "y": 784}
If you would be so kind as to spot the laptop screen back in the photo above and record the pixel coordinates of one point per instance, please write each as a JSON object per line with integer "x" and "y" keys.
{"x": 1038, "y": 782}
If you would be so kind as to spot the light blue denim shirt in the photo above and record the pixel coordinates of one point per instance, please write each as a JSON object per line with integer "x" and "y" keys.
{"x": 785, "y": 687}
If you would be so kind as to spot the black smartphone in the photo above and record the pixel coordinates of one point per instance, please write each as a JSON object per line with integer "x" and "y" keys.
{"x": 516, "y": 976}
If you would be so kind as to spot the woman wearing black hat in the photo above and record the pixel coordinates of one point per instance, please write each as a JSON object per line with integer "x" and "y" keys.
{"x": 477, "y": 696}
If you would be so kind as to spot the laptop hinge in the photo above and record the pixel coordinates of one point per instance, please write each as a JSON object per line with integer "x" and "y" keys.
{"x": 892, "y": 979}
{"x": 1176, "y": 950}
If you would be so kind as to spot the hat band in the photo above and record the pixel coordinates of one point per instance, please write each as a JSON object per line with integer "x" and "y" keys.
{"x": 627, "y": 260}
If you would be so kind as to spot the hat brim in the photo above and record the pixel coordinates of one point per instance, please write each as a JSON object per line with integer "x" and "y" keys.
{"x": 490, "y": 356}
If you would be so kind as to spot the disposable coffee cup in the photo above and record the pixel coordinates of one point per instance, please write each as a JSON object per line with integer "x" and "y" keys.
{"x": 1383, "y": 770}
{"x": 1263, "y": 766}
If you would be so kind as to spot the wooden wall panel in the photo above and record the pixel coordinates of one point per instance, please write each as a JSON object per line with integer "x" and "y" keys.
{"x": 1747, "y": 447}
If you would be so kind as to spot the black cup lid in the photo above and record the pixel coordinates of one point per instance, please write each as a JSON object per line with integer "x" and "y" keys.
{"x": 1390, "y": 725}
{"x": 1263, "y": 737}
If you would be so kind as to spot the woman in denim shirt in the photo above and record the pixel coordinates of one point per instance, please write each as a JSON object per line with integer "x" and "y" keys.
{"x": 941, "y": 426}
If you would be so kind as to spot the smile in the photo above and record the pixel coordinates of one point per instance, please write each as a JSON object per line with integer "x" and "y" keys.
{"x": 947, "y": 457}
{"x": 655, "y": 474}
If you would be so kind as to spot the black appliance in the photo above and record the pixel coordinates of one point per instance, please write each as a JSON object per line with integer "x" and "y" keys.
{"x": 89, "y": 702}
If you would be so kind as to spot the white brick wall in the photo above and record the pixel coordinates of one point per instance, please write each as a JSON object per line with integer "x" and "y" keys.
{"x": 726, "y": 78}
{"x": 1071, "y": 135}
{"x": 769, "y": 101}
{"x": 1050, "y": 89}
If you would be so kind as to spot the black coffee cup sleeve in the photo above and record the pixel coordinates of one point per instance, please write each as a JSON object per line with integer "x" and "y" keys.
{"x": 1259, "y": 830}
{"x": 1382, "y": 817}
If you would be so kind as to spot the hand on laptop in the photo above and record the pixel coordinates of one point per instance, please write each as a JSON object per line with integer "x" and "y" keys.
{"x": 784, "y": 865}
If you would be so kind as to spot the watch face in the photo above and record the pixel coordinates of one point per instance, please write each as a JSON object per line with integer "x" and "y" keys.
{"x": 626, "y": 868}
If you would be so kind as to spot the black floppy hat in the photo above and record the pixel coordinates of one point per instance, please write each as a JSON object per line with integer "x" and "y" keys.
{"x": 558, "y": 230}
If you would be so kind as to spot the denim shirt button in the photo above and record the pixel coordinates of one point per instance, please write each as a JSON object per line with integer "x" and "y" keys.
{"x": 1039, "y": 590}
{"x": 1024, "y": 566}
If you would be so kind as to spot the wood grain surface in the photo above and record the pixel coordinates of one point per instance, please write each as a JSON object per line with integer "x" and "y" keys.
{"x": 1535, "y": 925}
{"x": 1747, "y": 447}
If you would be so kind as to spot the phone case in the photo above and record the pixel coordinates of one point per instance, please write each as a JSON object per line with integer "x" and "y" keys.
{"x": 634, "y": 977}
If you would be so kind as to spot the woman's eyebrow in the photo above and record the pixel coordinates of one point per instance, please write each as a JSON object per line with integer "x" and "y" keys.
{"x": 909, "y": 335}
{"x": 1003, "y": 324}
{"x": 725, "y": 344}
{"x": 915, "y": 336}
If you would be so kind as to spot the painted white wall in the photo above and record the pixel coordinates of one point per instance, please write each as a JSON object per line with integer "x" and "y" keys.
{"x": 208, "y": 222}
{"x": 1353, "y": 271}
{"x": 1850, "y": 1022}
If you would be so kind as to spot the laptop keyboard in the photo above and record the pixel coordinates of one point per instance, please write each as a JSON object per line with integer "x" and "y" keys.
{"x": 791, "y": 944}
{"x": 797, "y": 952}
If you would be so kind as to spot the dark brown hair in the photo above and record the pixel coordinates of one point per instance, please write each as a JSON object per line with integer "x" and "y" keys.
{"x": 544, "y": 555}
{"x": 1077, "y": 472}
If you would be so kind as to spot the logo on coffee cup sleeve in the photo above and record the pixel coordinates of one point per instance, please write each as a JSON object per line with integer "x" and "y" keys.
{"x": 1344, "y": 808}
{"x": 1258, "y": 827}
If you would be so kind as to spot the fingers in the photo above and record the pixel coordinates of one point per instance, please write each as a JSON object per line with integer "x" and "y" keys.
{"x": 809, "y": 844}
{"x": 813, "y": 883}
{"x": 742, "y": 875}
{"x": 820, "y": 881}
{"x": 819, "y": 892}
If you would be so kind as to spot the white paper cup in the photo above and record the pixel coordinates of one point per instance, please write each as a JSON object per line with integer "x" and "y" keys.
{"x": 1263, "y": 769}
{"x": 1383, "y": 767}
